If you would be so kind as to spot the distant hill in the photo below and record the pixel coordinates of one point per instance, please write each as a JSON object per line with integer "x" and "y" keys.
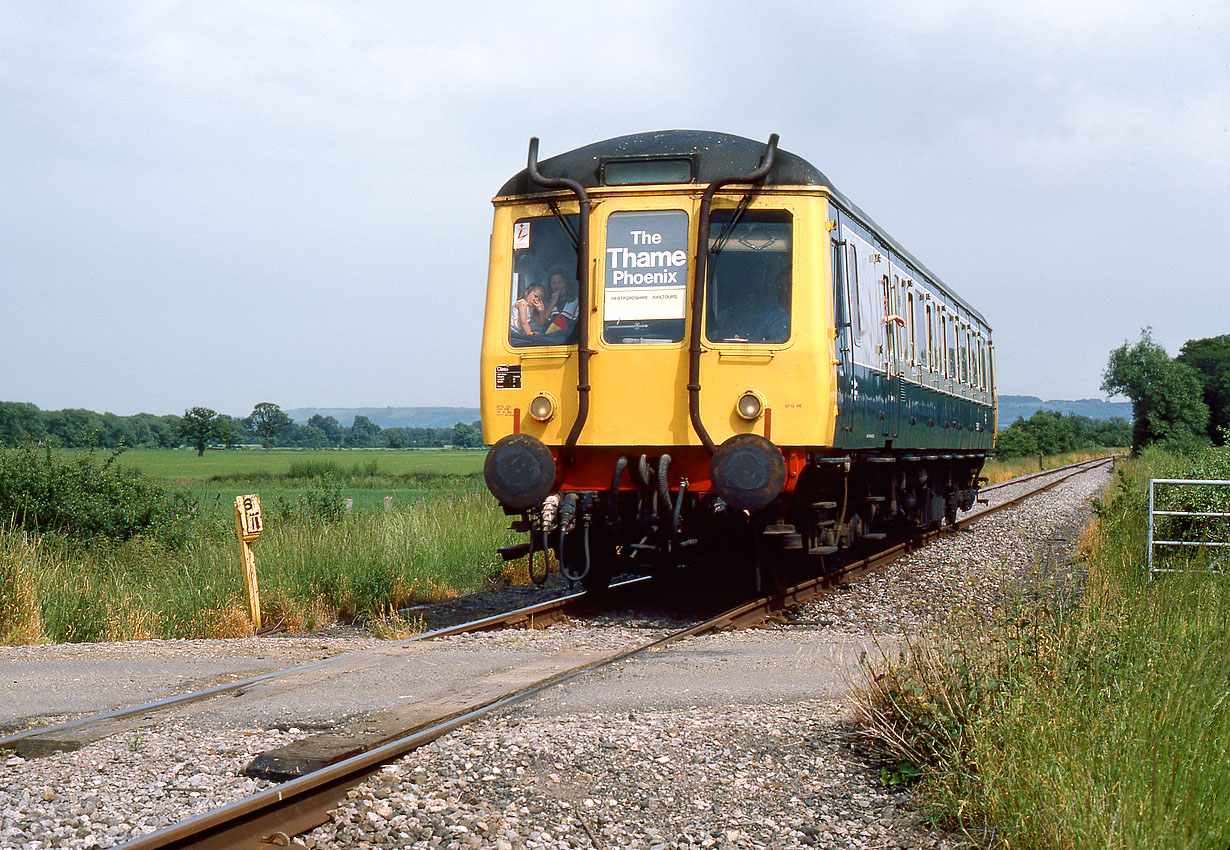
{"x": 1013, "y": 406}
{"x": 1010, "y": 407}
{"x": 391, "y": 417}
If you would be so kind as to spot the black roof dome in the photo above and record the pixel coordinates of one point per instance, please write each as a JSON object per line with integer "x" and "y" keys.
{"x": 714, "y": 156}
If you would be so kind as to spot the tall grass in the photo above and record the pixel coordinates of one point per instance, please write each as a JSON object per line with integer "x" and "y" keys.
{"x": 312, "y": 571}
{"x": 20, "y": 562}
{"x": 93, "y": 549}
{"x": 1105, "y": 726}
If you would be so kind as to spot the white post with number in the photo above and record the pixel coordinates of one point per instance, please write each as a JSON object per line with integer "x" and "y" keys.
{"x": 249, "y": 524}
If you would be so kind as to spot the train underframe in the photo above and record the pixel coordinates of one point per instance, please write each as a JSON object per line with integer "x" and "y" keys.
{"x": 646, "y": 516}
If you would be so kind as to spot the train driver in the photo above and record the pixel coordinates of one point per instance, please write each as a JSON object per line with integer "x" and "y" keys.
{"x": 774, "y": 323}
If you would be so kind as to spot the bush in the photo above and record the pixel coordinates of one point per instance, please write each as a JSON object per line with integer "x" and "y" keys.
{"x": 313, "y": 469}
{"x": 84, "y": 497}
{"x": 321, "y": 501}
{"x": 331, "y": 471}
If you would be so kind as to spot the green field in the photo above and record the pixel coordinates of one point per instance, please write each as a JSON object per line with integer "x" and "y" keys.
{"x": 366, "y": 476}
{"x": 183, "y": 465}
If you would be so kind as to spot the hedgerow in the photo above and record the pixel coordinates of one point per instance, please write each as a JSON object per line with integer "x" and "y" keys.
{"x": 87, "y": 496}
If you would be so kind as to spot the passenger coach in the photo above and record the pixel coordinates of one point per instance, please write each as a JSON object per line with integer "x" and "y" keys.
{"x": 694, "y": 346}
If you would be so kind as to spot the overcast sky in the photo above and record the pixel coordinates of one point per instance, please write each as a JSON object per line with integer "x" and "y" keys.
{"x": 221, "y": 203}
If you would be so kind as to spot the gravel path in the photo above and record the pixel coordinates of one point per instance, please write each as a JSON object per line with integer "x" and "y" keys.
{"x": 779, "y": 774}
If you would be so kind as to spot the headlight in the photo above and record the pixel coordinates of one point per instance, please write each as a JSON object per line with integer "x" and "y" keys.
{"x": 542, "y": 408}
{"x": 750, "y": 405}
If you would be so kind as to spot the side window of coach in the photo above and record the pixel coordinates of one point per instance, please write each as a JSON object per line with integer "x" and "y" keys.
{"x": 856, "y": 310}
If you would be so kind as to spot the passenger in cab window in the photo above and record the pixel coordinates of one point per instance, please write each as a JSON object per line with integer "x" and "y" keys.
{"x": 529, "y": 315}
{"x": 561, "y": 302}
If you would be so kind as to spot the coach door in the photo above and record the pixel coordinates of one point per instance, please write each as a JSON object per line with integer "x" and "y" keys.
{"x": 845, "y": 308}
{"x": 894, "y": 350}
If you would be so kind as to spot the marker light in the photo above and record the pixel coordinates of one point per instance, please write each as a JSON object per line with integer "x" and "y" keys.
{"x": 542, "y": 408}
{"x": 750, "y": 405}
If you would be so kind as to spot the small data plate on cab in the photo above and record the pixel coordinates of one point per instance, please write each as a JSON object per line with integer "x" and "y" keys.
{"x": 508, "y": 376}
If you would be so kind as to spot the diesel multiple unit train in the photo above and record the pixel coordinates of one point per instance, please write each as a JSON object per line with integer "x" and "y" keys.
{"x": 695, "y": 347}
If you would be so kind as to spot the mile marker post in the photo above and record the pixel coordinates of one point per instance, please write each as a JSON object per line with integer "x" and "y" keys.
{"x": 248, "y": 522}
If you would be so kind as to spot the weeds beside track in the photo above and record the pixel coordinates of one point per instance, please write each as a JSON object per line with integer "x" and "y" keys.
{"x": 1103, "y": 726}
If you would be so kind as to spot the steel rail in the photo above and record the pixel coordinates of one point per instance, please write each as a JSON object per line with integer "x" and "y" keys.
{"x": 291, "y": 808}
{"x": 1068, "y": 471}
{"x": 1023, "y": 478}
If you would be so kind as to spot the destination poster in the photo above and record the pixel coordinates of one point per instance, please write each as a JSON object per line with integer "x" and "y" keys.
{"x": 646, "y": 266}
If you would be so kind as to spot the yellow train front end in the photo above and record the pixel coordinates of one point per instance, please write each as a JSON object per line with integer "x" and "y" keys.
{"x": 639, "y": 366}
{"x": 635, "y": 421}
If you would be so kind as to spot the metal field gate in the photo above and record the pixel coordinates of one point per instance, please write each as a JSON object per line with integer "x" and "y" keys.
{"x": 1193, "y": 517}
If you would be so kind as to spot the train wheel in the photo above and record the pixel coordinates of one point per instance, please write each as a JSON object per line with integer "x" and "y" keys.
{"x": 773, "y": 567}
{"x": 853, "y": 531}
{"x": 950, "y": 512}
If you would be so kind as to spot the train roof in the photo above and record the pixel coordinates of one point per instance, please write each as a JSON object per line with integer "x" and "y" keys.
{"x": 713, "y": 156}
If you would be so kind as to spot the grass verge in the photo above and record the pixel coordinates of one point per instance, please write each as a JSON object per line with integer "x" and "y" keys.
{"x": 1103, "y": 726}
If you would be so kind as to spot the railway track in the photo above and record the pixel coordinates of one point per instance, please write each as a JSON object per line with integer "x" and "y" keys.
{"x": 272, "y": 817}
{"x": 73, "y": 734}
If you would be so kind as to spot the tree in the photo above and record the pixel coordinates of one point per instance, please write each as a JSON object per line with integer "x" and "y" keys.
{"x": 312, "y": 437}
{"x": 1017, "y": 440}
{"x": 229, "y": 431}
{"x": 154, "y": 432}
{"x": 74, "y": 428}
{"x": 395, "y": 438}
{"x": 267, "y": 421}
{"x": 198, "y": 427}
{"x": 1115, "y": 431}
{"x": 329, "y": 427}
{"x": 1167, "y": 402}
{"x": 117, "y": 431}
{"x": 364, "y": 432}
{"x": 20, "y": 422}
{"x": 467, "y": 436}
{"x": 425, "y": 437}
{"x": 1211, "y": 359}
